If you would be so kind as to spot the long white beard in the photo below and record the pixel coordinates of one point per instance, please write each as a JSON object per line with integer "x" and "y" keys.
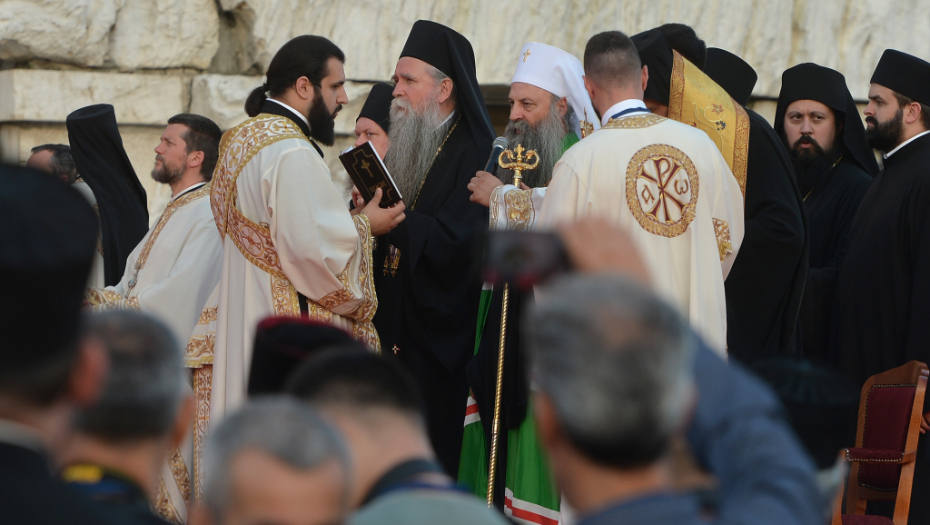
{"x": 545, "y": 138}
{"x": 415, "y": 136}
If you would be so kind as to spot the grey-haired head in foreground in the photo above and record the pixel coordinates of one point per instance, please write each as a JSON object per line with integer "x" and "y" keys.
{"x": 283, "y": 428}
{"x": 145, "y": 383}
{"x": 616, "y": 363}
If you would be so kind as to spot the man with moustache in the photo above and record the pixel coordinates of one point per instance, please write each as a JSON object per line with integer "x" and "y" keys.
{"x": 172, "y": 271}
{"x": 290, "y": 245}
{"x": 882, "y": 293}
{"x": 765, "y": 285}
{"x": 426, "y": 270}
{"x": 818, "y": 120}
{"x": 549, "y": 112}
{"x": 374, "y": 120}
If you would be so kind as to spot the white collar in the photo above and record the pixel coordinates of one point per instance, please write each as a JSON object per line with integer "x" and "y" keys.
{"x": 187, "y": 189}
{"x": 21, "y": 435}
{"x": 447, "y": 119}
{"x": 905, "y": 143}
{"x": 294, "y": 111}
{"x": 621, "y": 106}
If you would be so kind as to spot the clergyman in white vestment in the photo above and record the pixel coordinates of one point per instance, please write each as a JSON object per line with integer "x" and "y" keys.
{"x": 290, "y": 244}
{"x": 176, "y": 266}
{"x": 663, "y": 181}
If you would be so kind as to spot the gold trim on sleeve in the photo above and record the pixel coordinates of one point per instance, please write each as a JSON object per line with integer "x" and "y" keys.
{"x": 722, "y": 231}
{"x": 518, "y": 208}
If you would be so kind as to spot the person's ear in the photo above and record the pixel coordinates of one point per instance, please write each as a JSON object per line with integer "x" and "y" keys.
{"x": 445, "y": 90}
{"x": 304, "y": 88}
{"x": 182, "y": 421}
{"x": 195, "y": 159}
{"x": 562, "y": 106}
{"x": 589, "y": 87}
{"x": 912, "y": 113}
{"x": 89, "y": 373}
{"x": 645, "y": 77}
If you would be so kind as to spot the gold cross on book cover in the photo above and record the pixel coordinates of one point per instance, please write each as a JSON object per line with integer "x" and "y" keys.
{"x": 368, "y": 173}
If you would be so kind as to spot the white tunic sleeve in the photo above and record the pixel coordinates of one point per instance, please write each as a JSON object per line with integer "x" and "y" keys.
{"x": 322, "y": 248}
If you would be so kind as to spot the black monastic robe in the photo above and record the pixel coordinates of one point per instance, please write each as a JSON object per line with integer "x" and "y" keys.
{"x": 765, "y": 285}
{"x": 427, "y": 312}
{"x": 830, "y": 209}
{"x": 882, "y": 293}
{"x": 882, "y": 297}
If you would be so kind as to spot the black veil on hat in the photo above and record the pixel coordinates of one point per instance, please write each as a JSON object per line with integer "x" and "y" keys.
{"x": 656, "y": 54}
{"x": 282, "y": 343}
{"x": 101, "y": 160}
{"x": 732, "y": 73}
{"x": 451, "y": 53}
{"x": 905, "y": 74}
{"x": 45, "y": 260}
{"x": 827, "y": 86}
{"x": 377, "y": 107}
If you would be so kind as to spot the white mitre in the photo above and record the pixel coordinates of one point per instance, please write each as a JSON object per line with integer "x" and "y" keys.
{"x": 561, "y": 74}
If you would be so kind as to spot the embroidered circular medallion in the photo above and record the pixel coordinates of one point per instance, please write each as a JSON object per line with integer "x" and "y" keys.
{"x": 662, "y": 189}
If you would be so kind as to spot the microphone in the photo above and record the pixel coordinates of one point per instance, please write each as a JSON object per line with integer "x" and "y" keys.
{"x": 498, "y": 147}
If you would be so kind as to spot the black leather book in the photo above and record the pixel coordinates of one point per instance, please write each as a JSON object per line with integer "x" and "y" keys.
{"x": 367, "y": 171}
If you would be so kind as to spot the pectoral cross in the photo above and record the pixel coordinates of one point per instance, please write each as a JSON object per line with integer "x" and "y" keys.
{"x": 526, "y": 55}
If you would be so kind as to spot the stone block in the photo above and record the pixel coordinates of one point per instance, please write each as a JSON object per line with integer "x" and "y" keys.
{"x": 71, "y": 31}
{"x": 48, "y": 96}
{"x": 770, "y": 35}
{"x": 165, "y": 34}
{"x": 222, "y": 97}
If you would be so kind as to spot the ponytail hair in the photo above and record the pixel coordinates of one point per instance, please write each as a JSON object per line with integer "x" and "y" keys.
{"x": 253, "y": 104}
{"x": 303, "y": 56}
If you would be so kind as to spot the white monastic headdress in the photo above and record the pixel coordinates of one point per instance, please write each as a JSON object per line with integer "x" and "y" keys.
{"x": 559, "y": 73}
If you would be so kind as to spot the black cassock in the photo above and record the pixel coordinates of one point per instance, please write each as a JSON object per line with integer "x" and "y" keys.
{"x": 765, "y": 285}
{"x": 830, "y": 210}
{"x": 428, "y": 310}
{"x": 882, "y": 295}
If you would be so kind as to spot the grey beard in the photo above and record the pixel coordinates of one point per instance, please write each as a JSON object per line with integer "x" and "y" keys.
{"x": 545, "y": 138}
{"x": 415, "y": 137}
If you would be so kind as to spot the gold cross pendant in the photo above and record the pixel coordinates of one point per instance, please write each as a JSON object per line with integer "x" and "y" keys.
{"x": 395, "y": 349}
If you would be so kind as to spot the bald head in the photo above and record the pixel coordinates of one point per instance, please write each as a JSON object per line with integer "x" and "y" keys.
{"x": 611, "y": 61}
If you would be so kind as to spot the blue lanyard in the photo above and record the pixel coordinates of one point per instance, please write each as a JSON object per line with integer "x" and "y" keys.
{"x": 627, "y": 111}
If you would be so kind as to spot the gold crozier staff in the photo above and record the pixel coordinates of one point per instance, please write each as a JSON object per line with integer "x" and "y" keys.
{"x": 518, "y": 163}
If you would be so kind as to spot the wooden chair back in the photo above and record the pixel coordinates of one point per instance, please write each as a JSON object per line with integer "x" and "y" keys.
{"x": 890, "y": 410}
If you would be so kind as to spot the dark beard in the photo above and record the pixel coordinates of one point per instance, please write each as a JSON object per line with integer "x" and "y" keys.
{"x": 812, "y": 166}
{"x": 546, "y": 138}
{"x": 885, "y": 136}
{"x": 322, "y": 122}
{"x": 166, "y": 174}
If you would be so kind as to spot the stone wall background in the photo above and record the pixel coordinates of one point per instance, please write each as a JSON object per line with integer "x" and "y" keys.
{"x": 154, "y": 58}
